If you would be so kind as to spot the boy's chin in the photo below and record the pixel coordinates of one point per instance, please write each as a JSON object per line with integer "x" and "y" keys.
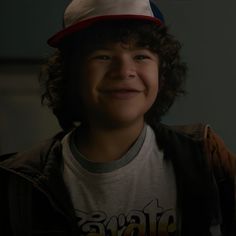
{"x": 122, "y": 120}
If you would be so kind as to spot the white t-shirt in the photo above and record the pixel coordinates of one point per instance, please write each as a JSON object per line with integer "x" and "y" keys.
{"x": 136, "y": 194}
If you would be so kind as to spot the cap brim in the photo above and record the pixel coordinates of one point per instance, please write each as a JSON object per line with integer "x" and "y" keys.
{"x": 57, "y": 39}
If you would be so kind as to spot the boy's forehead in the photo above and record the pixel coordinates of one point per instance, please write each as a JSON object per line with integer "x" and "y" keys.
{"x": 108, "y": 44}
{"x": 129, "y": 45}
{"x": 115, "y": 47}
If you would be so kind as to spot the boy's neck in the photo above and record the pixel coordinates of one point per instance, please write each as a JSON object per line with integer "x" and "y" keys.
{"x": 100, "y": 144}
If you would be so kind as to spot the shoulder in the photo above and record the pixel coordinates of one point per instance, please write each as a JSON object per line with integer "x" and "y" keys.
{"x": 35, "y": 157}
{"x": 180, "y": 134}
{"x": 220, "y": 157}
{"x": 218, "y": 154}
{"x": 197, "y": 132}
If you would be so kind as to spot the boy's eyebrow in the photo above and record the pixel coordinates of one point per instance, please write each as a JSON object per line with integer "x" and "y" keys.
{"x": 101, "y": 47}
{"x": 110, "y": 48}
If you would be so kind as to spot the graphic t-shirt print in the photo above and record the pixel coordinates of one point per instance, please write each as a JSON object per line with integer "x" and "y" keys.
{"x": 152, "y": 220}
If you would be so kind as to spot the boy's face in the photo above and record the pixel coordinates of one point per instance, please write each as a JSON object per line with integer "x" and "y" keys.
{"x": 118, "y": 83}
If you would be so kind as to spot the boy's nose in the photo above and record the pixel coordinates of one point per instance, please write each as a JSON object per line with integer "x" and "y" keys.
{"x": 123, "y": 69}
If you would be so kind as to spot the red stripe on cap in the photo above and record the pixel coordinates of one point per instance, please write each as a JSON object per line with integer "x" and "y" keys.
{"x": 56, "y": 39}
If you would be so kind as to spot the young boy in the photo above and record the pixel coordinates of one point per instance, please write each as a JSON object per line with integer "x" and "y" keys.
{"x": 116, "y": 170}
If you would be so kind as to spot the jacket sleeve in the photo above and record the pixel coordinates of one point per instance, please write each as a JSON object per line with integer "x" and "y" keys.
{"x": 5, "y": 228}
{"x": 223, "y": 163}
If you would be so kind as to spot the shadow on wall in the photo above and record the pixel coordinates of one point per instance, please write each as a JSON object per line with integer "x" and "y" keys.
{"x": 23, "y": 121}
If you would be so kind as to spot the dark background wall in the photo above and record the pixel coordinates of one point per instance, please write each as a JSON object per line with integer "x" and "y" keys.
{"x": 207, "y": 30}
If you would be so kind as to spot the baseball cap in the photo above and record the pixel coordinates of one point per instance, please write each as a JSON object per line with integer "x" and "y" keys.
{"x": 81, "y": 14}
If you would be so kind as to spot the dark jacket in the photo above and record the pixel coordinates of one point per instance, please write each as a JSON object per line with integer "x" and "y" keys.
{"x": 34, "y": 199}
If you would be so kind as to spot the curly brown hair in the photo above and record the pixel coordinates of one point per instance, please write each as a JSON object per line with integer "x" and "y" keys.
{"x": 54, "y": 78}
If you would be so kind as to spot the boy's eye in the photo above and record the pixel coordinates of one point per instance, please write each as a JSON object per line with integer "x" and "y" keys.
{"x": 102, "y": 57}
{"x": 141, "y": 57}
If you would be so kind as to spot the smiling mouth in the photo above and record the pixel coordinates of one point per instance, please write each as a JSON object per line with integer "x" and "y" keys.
{"x": 121, "y": 93}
